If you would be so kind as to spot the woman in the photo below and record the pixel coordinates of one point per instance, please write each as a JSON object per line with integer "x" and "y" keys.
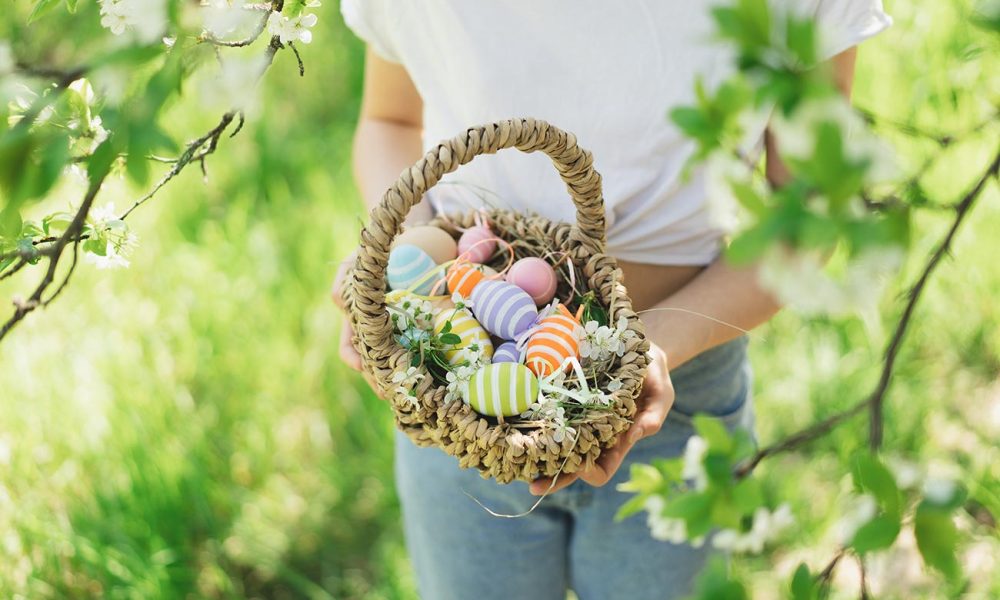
{"x": 609, "y": 73}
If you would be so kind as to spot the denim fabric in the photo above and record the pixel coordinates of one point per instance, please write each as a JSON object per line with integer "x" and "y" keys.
{"x": 460, "y": 551}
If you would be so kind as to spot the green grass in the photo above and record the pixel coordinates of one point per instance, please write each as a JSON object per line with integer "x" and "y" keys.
{"x": 183, "y": 428}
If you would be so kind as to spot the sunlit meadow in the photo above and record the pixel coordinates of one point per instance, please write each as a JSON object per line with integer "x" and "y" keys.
{"x": 183, "y": 428}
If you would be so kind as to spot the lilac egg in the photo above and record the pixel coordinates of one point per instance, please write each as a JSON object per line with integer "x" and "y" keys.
{"x": 503, "y": 309}
{"x": 507, "y": 352}
{"x": 534, "y": 276}
{"x": 477, "y": 244}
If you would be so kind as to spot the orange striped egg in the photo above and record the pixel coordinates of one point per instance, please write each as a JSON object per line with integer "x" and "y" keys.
{"x": 462, "y": 277}
{"x": 555, "y": 340}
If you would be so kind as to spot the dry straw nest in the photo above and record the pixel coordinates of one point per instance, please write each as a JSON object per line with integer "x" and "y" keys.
{"x": 502, "y": 450}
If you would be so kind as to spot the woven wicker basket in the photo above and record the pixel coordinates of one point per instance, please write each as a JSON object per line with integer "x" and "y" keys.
{"x": 498, "y": 449}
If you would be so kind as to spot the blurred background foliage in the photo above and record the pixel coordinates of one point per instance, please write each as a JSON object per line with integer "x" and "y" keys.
{"x": 183, "y": 428}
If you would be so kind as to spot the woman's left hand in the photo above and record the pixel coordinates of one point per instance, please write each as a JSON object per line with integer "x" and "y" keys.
{"x": 653, "y": 404}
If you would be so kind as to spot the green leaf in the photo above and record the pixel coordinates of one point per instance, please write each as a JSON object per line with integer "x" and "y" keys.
{"x": 643, "y": 478}
{"x": 716, "y": 582}
{"x": 876, "y": 534}
{"x": 871, "y": 476}
{"x": 936, "y": 539}
{"x": 743, "y": 445}
{"x": 10, "y": 222}
{"x": 748, "y": 495}
{"x": 714, "y": 433}
{"x": 41, "y": 8}
{"x": 634, "y": 505}
{"x": 96, "y": 246}
{"x": 719, "y": 468}
{"x": 71, "y": 6}
{"x": 450, "y": 338}
{"x": 804, "y": 585}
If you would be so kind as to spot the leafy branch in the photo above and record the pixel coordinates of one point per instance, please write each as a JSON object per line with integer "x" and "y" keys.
{"x": 874, "y": 403}
{"x": 50, "y": 247}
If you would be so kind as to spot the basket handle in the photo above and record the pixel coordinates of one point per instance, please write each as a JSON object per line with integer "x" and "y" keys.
{"x": 365, "y": 292}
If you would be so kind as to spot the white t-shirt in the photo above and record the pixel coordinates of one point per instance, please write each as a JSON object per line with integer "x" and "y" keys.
{"x": 608, "y": 72}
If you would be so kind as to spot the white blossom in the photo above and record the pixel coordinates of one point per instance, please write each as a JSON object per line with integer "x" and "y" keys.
{"x": 798, "y": 278}
{"x": 234, "y": 84}
{"x": 291, "y": 29}
{"x": 694, "y": 462}
{"x": 105, "y": 227}
{"x": 600, "y": 342}
{"x": 458, "y": 383}
{"x": 146, "y": 18}
{"x": 222, "y": 17}
{"x": 6, "y": 58}
{"x": 410, "y": 312}
{"x": 667, "y": 529}
{"x": 907, "y": 474}
{"x": 460, "y": 301}
{"x": 766, "y": 527}
{"x": 722, "y": 206}
{"x": 860, "y": 510}
{"x": 405, "y": 382}
{"x": 939, "y": 490}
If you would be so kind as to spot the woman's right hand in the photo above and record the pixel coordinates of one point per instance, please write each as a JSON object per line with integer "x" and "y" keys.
{"x": 347, "y": 352}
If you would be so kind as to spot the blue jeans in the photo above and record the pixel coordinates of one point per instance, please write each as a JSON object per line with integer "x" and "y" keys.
{"x": 460, "y": 551}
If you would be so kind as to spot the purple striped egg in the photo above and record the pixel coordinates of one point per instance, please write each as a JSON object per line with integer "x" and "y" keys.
{"x": 503, "y": 309}
{"x": 507, "y": 352}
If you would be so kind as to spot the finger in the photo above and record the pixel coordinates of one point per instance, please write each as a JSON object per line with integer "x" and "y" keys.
{"x": 348, "y": 354}
{"x": 608, "y": 463}
{"x": 650, "y": 418}
{"x": 541, "y": 486}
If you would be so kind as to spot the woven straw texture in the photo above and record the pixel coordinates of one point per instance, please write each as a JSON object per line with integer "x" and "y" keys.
{"x": 501, "y": 450}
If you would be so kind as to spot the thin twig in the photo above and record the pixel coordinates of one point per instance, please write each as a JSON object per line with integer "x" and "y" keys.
{"x": 302, "y": 66}
{"x": 961, "y": 211}
{"x": 824, "y": 576}
{"x": 211, "y": 138}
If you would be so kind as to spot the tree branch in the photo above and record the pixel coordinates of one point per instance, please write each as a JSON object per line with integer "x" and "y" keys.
{"x": 961, "y": 211}
{"x": 76, "y": 225}
{"x": 876, "y": 399}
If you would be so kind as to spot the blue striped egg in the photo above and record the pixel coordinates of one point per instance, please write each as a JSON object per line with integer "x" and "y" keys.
{"x": 467, "y": 328}
{"x": 407, "y": 264}
{"x": 504, "y": 309}
{"x": 507, "y": 352}
{"x": 502, "y": 389}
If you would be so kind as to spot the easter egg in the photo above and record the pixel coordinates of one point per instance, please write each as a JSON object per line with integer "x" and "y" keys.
{"x": 555, "y": 340}
{"x": 507, "y": 352}
{"x": 504, "y": 309}
{"x": 407, "y": 265}
{"x": 535, "y": 276}
{"x": 477, "y": 244}
{"x": 487, "y": 271}
{"x": 436, "y": 242}
{"x": 502, "y": 389}
{"x": 462, "y": 278}
{"x": 466, "y": 327}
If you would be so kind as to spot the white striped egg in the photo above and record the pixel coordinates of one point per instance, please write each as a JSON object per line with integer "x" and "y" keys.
{"x": 502, "y": 389}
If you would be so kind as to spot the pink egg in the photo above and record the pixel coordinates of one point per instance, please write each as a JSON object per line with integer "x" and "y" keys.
{"x": 477, "y": 244}
{"x": 534, "y": 276}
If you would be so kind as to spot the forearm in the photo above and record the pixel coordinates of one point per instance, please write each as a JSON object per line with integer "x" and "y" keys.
{"x": 723, "y": 292}
{"x": 382, "y": 150}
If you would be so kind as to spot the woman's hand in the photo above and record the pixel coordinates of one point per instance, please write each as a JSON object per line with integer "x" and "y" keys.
{"x": 347, "y": 352}
{"x": 653, "y": 404}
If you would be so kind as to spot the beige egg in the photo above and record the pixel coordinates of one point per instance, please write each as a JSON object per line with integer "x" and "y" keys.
{"x": 434, "y": 241}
